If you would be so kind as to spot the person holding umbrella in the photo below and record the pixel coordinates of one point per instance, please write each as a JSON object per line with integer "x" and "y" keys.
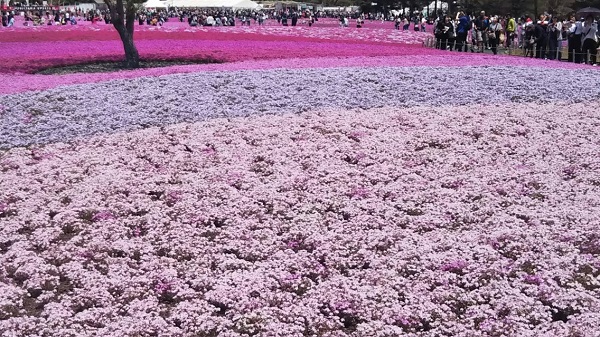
{"x": 586, "y": 29}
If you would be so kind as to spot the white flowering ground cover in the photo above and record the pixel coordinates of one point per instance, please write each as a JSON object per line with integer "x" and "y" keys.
{"x": 388, "y": 199}
{"x": 78, "y": 111}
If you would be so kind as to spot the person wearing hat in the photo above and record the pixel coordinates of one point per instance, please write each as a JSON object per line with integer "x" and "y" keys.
{"x": 574, "y": 40}
{"x": 589, "y": 40}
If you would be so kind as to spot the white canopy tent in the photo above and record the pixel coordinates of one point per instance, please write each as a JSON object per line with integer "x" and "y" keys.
{"x": 440, "y": 6}
{"x": 235, "y": 4}
{"x": 246, "y": 4}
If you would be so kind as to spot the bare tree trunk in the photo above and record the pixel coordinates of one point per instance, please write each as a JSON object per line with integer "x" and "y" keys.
{"x": 123, "y": 20}
{"x": 132, "y": 57}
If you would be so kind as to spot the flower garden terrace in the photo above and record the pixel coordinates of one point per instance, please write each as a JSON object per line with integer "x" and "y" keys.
{"x": 385, "y": 190}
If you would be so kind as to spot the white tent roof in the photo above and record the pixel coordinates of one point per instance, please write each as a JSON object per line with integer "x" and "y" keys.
{"x": 202, "y": 3}
{"x": 246, "y": 4}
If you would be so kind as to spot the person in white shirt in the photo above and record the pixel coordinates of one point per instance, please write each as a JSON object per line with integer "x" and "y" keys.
{"x": 589, "y": 40}
{"x": 554, "y": 38}
{"x": 210, "y": 21}
{"x": 494, "y": 31}
{"x": 575, "y": 29}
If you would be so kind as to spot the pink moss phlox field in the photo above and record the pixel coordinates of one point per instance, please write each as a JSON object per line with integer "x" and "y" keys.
{"x": 322, "y": 182}
{"x": 326, "y": 29}
{"x": 334, "y": 223}
{"x": 34, "y": 48}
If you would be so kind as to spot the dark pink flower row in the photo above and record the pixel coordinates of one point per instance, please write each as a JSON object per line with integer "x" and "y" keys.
{"x": 29, "y": 57}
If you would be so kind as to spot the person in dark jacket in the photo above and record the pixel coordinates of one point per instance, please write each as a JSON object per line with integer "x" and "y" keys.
{"x": 445, "y": 31}
{"x": 574, "y": 40}
{"x": 554, "y": 34}
{"x": 541, "y": 40}
{"x": 440, "y": 36}
{"x": 529, "y": 43}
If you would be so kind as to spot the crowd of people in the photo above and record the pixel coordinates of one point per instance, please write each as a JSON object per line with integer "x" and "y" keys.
{"x": 54, "y": 17}
{"x": 544, "y": 38}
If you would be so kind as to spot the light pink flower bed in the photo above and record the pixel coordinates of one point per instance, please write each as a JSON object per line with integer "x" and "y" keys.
{"x": 329, "y": 223}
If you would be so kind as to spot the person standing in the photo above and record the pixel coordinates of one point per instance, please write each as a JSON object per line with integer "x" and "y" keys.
{"x": 574, "y": 40}
{"x": 529, "y": 40}
{"x": 440, "y": 33}
{"x": 259, "y": 18}
{"x": 541, "y": 40}
{"x": 554, "y": 36}
{"x": 462, "y": 30}
{"x": 511, "y": 30}
{"x": 589, "y": 40}
{"x": 480, "y": 28}
{"x": 446, "y": 29}
{"x": 486, "y": 25}
{"x": 494, "y": 31}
